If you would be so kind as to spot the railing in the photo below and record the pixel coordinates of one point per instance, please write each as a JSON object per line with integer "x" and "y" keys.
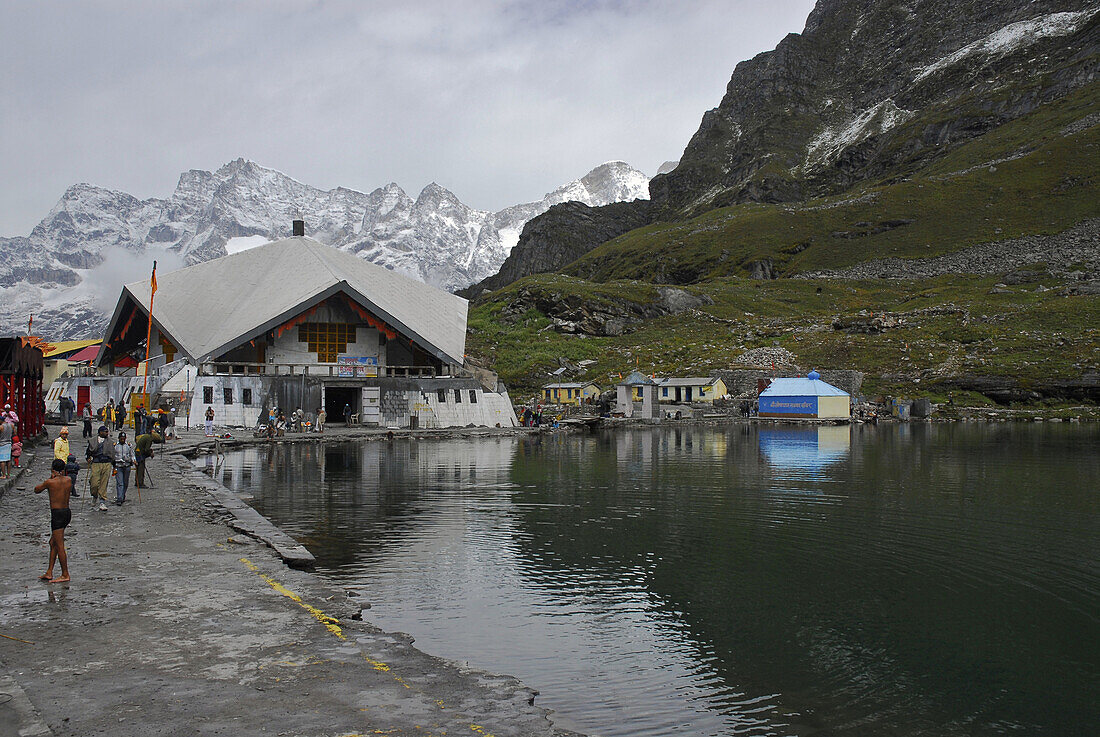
{"x": 218, "y": 368}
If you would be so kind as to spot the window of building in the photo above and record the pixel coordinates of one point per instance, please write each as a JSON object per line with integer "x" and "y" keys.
{"x": 664, "y": 391}
{"x": 326, "y": 339}
{"x": 227, "y": 395}
{"x": 246, "y": 396}
{"x": 442, "y": 395}
{"x": 473, "y": 397}
{"x": 458, "y": 397}
{"x": 547, "y": 393}
{"x": 208, "y": 395}
{"x": 568, "y": 393}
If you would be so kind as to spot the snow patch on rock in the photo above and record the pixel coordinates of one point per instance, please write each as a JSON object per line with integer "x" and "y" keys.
{"x": 1012, "y": 37}
{"x": 832, "y": 140}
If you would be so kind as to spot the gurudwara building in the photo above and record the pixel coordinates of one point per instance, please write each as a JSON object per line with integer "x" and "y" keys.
{"x": 298, "y": 324}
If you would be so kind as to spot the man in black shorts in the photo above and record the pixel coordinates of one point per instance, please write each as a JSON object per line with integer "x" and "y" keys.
{"x": 59, "y": 486}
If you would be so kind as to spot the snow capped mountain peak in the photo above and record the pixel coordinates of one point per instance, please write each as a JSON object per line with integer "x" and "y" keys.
{"x": 55, "y": 271}
{"x": 436, "y": 194}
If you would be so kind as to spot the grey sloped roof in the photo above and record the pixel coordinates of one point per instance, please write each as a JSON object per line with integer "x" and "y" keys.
{"x": 688, "y": 381}
{"x": 211, "y": 307}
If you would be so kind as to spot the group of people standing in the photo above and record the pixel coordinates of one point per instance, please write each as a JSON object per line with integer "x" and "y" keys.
{"x": 107, "y": 458}
{"x": 113, "y": 415}
{"x": 11, "y": 445}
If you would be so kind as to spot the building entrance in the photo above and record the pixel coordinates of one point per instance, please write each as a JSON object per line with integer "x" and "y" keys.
{"x": 336, "y": 397}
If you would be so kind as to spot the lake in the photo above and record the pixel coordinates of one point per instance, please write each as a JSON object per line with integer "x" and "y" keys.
{"x": 918, "y": 579}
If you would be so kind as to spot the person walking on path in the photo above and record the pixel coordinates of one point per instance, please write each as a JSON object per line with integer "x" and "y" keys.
{"x": 321, "y": 417}
{"x": 59, "y": 486}
{"x": 120, "y": 415}
{"x": 143, "y": 450}
{"x": 61, "y": 445}
{"x": 101, "y": 454}
{"x": 347, "y": 415}
{"x": 7, "y": 431}
{"x": 86, "y": 415}
{"x": 209, "y": 421}
{"x": 124, "y": 460}
{"x": 109, "y": 414}
{"x": 72, "y": 468}
{"x": 16, "y": 450}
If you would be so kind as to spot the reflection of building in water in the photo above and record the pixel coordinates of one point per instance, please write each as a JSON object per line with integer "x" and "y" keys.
{"x": 308, "y": 466}
{"x": 807, "y": 448}
{"x": 642, "y": 448}
{"x": 466, "y": 460}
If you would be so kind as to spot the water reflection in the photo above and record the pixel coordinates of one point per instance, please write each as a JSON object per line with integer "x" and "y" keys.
{"x": 810, "y": 449}
{"x": 922, "y": 580}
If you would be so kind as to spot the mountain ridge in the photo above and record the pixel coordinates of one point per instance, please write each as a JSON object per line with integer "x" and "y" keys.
{"x": 53, "y": 272}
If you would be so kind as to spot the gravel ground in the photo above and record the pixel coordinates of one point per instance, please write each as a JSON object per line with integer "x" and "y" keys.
{"x": 175, "y": 625}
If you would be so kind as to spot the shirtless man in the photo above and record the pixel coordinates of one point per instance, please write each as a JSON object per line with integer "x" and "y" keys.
{"x": 59, "y": 485}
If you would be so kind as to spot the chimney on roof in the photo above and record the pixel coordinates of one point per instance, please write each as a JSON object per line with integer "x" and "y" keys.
{"x": 299, "y": 227}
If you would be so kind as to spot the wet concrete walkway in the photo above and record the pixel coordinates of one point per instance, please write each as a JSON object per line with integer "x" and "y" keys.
{"x": 174, "y": 624}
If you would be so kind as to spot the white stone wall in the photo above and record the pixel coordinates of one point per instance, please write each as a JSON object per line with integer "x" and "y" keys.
{"x": 489, "y": 410}
{"x": 236, "y": 414}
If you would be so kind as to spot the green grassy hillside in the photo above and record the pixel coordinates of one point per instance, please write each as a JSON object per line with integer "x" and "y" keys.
{"x": 1025, "y": 177}
{"x": 951, "y": 328}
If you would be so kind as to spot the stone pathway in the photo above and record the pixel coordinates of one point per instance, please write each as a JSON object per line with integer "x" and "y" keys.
{"x": 175, "y": 625}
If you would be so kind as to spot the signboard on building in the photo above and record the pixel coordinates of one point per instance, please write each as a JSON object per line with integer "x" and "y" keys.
{"x": 789, "y": 406}
{"x": 361, "y": 366}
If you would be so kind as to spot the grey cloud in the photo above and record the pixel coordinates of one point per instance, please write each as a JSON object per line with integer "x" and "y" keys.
{"x": 498, "y": 101}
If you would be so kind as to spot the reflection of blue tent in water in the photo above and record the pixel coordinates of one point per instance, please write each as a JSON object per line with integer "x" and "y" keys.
{"x": 811, "y": 448}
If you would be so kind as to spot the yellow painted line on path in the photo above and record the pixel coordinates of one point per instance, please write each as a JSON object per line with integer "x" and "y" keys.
{"x": 333, "y": 625}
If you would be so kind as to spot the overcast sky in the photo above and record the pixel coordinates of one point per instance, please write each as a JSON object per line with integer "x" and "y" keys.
{"x": 500, "y": 102}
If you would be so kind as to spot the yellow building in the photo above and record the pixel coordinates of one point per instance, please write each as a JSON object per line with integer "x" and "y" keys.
{"x": 689, "y": 390}
{"x": 573, "y": 393}
{"x": 56, "y": 361}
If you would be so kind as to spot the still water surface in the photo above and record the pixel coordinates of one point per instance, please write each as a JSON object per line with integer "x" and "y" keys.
{"x": 895, "y": 580}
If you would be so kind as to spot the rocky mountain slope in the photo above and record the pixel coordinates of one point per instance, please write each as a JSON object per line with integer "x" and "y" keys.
{"x": 875, "y": 88}
{"x": 871, "y": 93}
{"x": 928, "y": 165}
{"x": 67, "y": 272}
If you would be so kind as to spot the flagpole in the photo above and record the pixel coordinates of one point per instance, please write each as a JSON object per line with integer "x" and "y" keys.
{"x": 149, "y": 336}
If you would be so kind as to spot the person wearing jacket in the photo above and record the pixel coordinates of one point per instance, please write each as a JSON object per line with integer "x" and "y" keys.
{"x": 124, "y": 460}
{"x": 61, "y": 445}
{"x": 143, "y": 451}
{"x": 101, "y": 454}
{"x": 72, "y": 468}
{"x": 86, "y": 417}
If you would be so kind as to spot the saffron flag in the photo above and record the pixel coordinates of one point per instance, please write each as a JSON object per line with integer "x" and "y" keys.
{"x": 153, "y": 282}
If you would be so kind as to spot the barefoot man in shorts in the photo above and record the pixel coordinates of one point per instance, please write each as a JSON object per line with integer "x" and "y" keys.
{"x": 59, "y": 485}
